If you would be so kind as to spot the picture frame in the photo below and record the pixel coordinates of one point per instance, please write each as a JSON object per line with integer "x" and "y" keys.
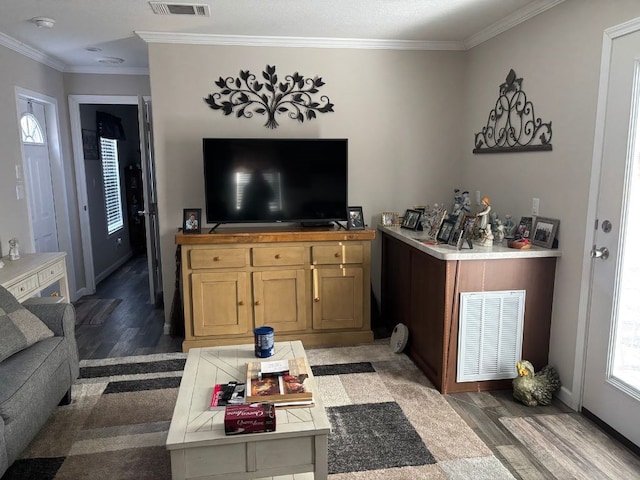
{"x": 90, "y": 144}
{"x": 465, "y": 232}
{"x": 545, "y": 231}
{"x": 355, "y": 218}
{"x": 432, "y": 221}
{"x": 523, "y": 229}
{"x": 447, "y": 229}
{"x": 388, "y": 219}
{"x": 191, "y": 220}
{"x": 411, "y": 219}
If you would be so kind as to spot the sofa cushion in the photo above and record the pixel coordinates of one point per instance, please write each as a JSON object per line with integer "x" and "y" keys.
{"x": 19, "y": 328}
{"x": 25, "y": 376}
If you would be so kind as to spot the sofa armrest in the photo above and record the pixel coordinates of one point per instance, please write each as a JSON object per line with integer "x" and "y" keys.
{"x": 59, "y": 317}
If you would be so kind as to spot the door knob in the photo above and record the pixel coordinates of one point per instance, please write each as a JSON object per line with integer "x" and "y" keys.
{"x": 602, "y": 252}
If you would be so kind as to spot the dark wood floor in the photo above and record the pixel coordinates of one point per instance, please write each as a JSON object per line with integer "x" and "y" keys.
{"x": 119, "y": 320}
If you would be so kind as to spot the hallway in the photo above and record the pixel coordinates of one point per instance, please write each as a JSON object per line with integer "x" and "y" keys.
{"x": 118, "y": 319}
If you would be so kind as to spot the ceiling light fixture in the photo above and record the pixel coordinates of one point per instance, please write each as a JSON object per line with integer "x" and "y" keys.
{"x": 111, "y": 60}
{"x": 44, "y": 22}
{"x": 93, "y": 49}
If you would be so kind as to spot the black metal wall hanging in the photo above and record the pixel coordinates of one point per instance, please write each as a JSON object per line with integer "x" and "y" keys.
{"x": 512, "y": 125}
{"x": 294, "y": 96}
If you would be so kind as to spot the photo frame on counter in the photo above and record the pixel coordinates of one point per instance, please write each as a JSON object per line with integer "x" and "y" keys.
{"x": 465, "y": 232}
{"x": 523, "y": 230}
{"x": 447, "y": 229}
{"x": 545, "y": 231}
{"x": 388, "y": 219}
{"x": 411, "y": 219}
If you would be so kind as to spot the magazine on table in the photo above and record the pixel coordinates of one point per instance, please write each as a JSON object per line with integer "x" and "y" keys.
{"x": 282, "y": 382}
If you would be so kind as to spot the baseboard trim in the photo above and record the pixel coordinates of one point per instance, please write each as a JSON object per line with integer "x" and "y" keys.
{"x": 113, "y": 267}
{"x": 635, "y": 449}
{"x": 567, "y": 397}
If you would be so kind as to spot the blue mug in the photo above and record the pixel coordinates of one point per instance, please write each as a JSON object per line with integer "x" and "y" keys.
{"x": 264, "y": 341}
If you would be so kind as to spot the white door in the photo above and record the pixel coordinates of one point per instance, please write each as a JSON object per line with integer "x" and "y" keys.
{"x": 612, "y": 368}
{"x": 37, "y": 175}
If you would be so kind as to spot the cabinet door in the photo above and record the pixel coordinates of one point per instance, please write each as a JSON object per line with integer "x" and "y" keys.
{"x": 279, "y": 300}
{"x": 221, "y": 303}
{"x": 396, "y": 282}
{"x": 338, "y": 298}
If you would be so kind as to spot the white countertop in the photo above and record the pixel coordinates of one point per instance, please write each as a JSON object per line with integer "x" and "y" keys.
{"x": 448, "y": 252}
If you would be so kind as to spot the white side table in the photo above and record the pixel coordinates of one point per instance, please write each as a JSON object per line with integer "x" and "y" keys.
{"x": 33, "y": 272}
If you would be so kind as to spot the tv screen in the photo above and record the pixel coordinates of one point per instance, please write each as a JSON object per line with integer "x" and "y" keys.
{"x": 275, "y": 180}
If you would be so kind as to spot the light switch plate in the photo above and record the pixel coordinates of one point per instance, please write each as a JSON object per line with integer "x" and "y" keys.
{"x": 535, "y": 207}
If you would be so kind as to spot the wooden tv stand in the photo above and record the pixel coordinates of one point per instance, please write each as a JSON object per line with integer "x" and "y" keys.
{"x": 309, "y": 284}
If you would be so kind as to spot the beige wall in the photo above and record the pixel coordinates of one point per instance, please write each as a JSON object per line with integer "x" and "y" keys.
{"x": 20, "y": 71}
{"x": 92, "y": 84}
{"x": 558, "y": 55}
{"x": 399, "y": 110}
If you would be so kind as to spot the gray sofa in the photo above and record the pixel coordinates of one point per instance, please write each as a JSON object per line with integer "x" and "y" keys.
{"x": 34, "y": 380}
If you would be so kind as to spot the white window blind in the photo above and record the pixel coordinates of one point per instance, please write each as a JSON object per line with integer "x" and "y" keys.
{"x": 111, "y": 182}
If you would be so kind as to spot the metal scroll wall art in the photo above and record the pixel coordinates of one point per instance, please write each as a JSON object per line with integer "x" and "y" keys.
{"x": 246, "y": 95}
{"x": 512, "y": 125}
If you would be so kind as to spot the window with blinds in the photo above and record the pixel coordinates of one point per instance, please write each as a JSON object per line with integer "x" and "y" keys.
{"x": 111, "y": 182}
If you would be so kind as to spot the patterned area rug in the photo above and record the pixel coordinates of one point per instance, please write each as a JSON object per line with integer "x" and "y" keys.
{"x": 569, "y": 446}
{"x": 388, "y": 422}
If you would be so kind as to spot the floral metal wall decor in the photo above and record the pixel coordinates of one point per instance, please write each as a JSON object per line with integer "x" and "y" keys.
{"x": 293, "y": 96}
{"x": 512, "y": 126}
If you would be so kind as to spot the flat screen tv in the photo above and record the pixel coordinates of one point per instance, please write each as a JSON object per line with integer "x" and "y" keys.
{"x": 251, "y": 180}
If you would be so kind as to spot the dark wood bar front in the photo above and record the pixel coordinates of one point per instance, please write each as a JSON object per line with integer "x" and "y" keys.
{"x": 421, "y": 287}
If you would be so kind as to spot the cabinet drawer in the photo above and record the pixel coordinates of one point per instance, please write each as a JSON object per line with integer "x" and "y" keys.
{"x": 26, "y": 286}
{"x": 273, "y": 256}
{"x": 218, "y": 258}
{"x": 50, "y": 272}
{"x": 335, "y": 254}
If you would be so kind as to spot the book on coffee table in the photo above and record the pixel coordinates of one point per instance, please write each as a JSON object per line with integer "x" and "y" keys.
{"x": 232, "y": 393}
{"x": 280, "y": 383}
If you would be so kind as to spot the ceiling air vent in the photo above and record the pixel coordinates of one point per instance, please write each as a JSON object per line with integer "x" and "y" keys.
{"x": 164, "y": 8}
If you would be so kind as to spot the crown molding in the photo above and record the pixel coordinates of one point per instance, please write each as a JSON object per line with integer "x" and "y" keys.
{"x": 30, "y": 52}
{"x": 106, "y": 70}
{"x": 510, "y": 21}
{"x": 300, "y": 42}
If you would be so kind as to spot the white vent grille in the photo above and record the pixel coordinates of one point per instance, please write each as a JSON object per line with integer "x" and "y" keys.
{"x": 490, "y": 335}
{"x": 163, "y": 8}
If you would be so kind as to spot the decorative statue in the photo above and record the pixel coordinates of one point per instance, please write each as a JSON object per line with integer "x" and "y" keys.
{"x": 483, "y": 216}
{"x": 14, "y": 249}
{"x": 466, "y": 202}
{"x": 484, "y": 233}
{"x": 498, "y": 230}
{"x": 457, "y": 202}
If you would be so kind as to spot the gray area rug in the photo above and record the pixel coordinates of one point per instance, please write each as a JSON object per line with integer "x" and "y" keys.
{"x": 571, "y": 447}
{"x": 388, "y": 422}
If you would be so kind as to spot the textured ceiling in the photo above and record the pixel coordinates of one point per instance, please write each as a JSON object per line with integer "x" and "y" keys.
{"x": 111, "y": 25}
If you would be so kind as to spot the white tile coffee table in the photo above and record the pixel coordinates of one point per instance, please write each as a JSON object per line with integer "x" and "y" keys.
{"x": 199, "y": 447}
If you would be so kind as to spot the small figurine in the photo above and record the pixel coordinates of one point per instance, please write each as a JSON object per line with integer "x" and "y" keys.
{"x": 498, "y": 230}
{"x": 466, "y": 202}
{"x": 509, "y": 227}
{"x": 14, "y": 252}
{"x": 457, "y": 202}
{"x": 484, "y": 214}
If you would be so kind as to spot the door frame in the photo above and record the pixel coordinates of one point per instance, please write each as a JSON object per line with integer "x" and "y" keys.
{"x": 78, "y": 158}
{"x": 609, "y": 35}
{"x": 63, "y": 225}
